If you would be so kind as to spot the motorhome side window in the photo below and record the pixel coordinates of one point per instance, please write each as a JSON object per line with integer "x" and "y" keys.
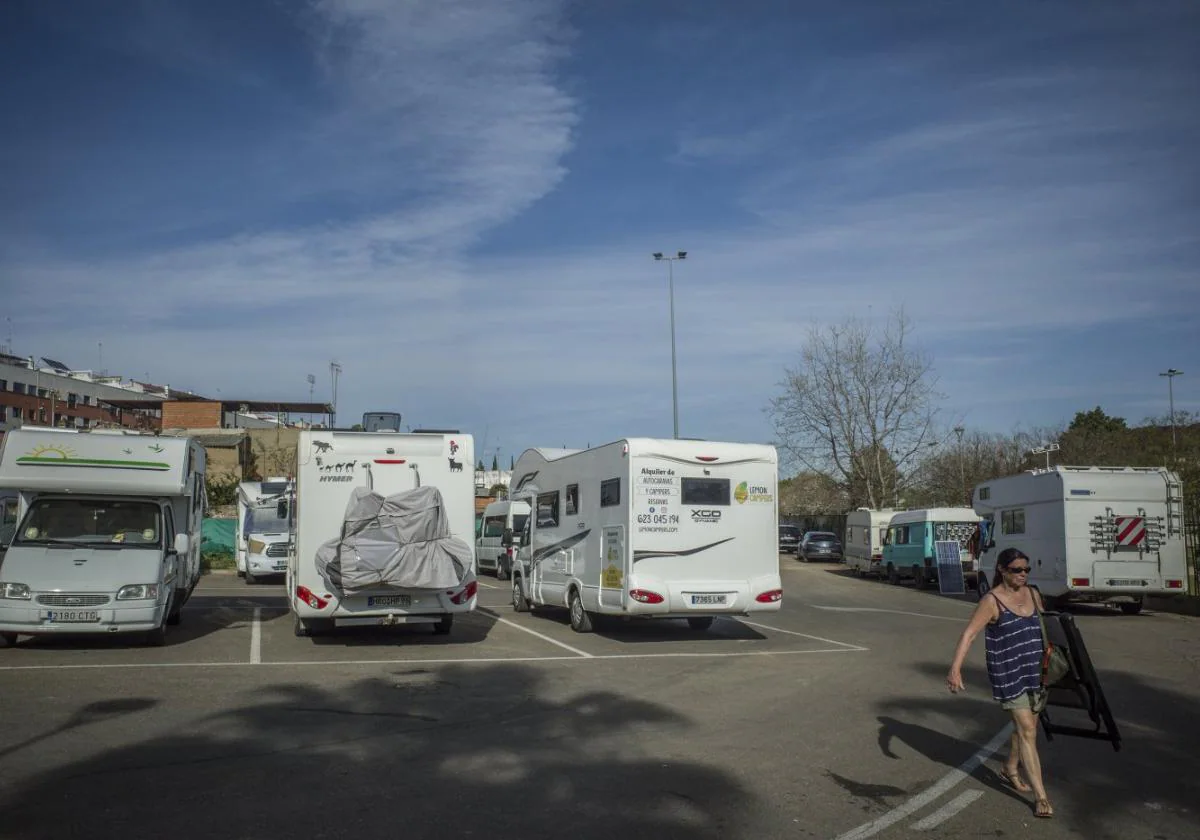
{"x": 705, "y": 491}
{"x": 572, "y": 501}
{"x": 610, "y": 492}
{"x": 1012, "y": 521}
{"x": 8, "y": 521}
{"x": 547, "y": 509}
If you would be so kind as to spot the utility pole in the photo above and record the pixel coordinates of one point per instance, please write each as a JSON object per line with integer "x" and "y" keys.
{"x": 334, "y": 370}
{"x": 1171, "y": 373}
{"x": 670, "y": 261}
{"x": 962, "y": 473}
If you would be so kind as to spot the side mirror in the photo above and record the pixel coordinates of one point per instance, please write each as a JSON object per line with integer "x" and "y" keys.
{"x": 506, "y": 539}
{"x": 281, "y": 509}
{"x": 181, "y": 544}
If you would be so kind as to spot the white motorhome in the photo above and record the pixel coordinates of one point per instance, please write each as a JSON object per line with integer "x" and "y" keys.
{"x": 865, "y": 533}
{"x": 109, "y": 533}
{"x": 263, "y": 528}
{"x": 645, "y": 528}
{"x": 500, "y": 518}
{"x": 1111, "y": 534}
{"x": 335, "y": 470}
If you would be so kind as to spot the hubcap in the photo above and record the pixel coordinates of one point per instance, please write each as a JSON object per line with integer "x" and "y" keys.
{"x": 576, "y": 609}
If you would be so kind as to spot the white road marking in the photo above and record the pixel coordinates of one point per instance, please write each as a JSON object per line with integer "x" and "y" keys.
{"x": 487, "y": 585}
{"x": 541, "y": 636}
{"x": 499, "y": 660}
{"x": 941, "y": 787}
{"x": 256, "y": 637}
{"x": 880, "y": 610}
{"x": 802, "y": 635}
{"x": 947, "y": 811}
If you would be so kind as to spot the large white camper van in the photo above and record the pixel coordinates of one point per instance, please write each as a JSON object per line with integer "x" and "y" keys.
{"x": 108, "y": 539}
{"x": 865, "y": 533}
{"x": 1111, "y": 534}
{"x": 384, "y": 525}
{"x": 263, "y": 528}
{"x": 645, "y": 528}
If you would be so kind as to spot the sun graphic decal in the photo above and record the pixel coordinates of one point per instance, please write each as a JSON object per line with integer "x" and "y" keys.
{"x": 56, "y": 451}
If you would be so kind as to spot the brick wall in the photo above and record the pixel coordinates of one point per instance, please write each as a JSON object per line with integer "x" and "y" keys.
{"x": 191, "y": 415}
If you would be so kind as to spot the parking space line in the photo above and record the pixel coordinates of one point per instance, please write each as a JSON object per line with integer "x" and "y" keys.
{"x": 541, "y": 636}
{"x": 256, "y": 637}
{"x": 499, "y": 660}
{"x": 846, "y": 645}
{"x": 942, "y": 786}
{"x": 486, "y": 585}
{"x": 947, "y": 811}
{"x": 894, "y": 612}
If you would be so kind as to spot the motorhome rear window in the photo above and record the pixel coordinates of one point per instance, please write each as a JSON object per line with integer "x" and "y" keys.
{"x": 610, "y": 492}
{"x": 705, "y": 491}
{"x": 92, "y": 522}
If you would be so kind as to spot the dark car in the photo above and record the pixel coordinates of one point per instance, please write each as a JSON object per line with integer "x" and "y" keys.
{"x": 820, "y": 545}
{"x": 789, "y": 538}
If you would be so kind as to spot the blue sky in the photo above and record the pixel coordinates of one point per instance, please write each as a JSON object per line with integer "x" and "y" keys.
{"x": 458, "y": 199}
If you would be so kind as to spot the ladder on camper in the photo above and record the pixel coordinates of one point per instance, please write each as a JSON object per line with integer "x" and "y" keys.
{"x": 1174, "y": 506}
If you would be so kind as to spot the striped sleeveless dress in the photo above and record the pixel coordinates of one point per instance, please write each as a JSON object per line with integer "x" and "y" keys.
{"x": 1014, "y": 654}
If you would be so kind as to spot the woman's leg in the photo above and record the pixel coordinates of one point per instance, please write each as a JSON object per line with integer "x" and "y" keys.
{"x": 1025, "y": 722}
{"x": 1012, "y": 769}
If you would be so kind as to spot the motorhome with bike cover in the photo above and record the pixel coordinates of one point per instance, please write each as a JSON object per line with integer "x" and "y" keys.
{"x": 645, "y": 528}
{"x": 108, "y": 537}
{"x": 384, "y": 530}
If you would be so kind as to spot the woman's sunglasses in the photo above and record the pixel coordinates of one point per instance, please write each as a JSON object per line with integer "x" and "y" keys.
{"x": 1018, "y": 570}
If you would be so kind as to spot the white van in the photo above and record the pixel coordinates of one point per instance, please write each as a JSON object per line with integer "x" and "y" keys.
{"x": 1109, "y": 534}
{"x": 866, "y": 530}
{"x": 340, "y": 476}
{"x": 645, "y": 528}
{"x": 263, "y": 528}
{"x": 500, "y": 518}
{"x": 109, "y": 532}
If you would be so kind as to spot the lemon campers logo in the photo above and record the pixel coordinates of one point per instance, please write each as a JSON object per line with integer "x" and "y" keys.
{"x": 746, "y": 492}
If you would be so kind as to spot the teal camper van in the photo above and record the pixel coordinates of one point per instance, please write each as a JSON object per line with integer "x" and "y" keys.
{"x": 908, "y": 548}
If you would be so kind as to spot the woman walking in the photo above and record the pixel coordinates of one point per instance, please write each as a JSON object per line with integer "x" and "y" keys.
{"x": 1013, "y": 637}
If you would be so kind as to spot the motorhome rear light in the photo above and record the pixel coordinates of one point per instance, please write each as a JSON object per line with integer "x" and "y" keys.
{"x": 389, "y": 461}
{"x": 466, "y": 594}
{"x": 1174, "y": 584}
{"x": 306, "y": 595}
{"x": 770, "y": 596}
{"x": 508, "y": 551}
{"x": 708, "y": 459}
{"x": 645, "y": 596}
{"x": 1081, "y": 581}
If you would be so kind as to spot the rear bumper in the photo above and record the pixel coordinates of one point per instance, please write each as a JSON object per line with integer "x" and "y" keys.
{"x": 423, "y": 606}
{"x": 698, "y": 598}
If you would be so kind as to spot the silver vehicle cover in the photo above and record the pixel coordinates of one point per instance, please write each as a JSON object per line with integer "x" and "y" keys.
{"x": 401, "y": 541}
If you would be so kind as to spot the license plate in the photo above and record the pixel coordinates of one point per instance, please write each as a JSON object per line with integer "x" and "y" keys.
{"x": 281, "y": 567}
{"x": 389, "y": 601}
{"x": 708, "y": 599}
{"x": 1123, "y": 582}
{"x": 72, "y": 616}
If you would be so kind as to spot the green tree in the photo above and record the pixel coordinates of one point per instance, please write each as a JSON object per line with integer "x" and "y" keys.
{"x": 495, "y": 464}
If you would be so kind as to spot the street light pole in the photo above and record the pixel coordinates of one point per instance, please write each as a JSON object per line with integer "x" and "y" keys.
{"x": 1171, "y": 373}
{"x": 962, "y": 473}
{"x": 679, "y": 255}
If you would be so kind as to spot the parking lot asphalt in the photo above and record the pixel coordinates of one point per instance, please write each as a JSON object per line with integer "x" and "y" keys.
{"x": 827, "y": 719}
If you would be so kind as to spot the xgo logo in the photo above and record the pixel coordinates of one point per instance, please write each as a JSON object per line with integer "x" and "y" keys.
{"x": 706, "y": 516}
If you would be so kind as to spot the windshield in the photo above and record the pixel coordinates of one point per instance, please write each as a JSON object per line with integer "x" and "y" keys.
{"x": 788, "y": 531}
{"x": 265, "y": 520}
{"x": 92, "y": 522}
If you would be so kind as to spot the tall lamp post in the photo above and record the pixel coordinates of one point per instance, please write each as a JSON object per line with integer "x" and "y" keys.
{"x": 962, "y": 473}
{"x": 334, "y": 370}
{"x": 679, "y": 255}
{"x": 1171, "y": 373}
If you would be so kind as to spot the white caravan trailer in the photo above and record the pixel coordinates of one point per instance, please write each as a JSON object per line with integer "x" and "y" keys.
{"x": 263, "y": 528}
{"x": 1110, "y": 534}
{"x": 109, "y": 533}
{"x": 338, "y": 475}
{"x": 865, "y": 532}
{"x": 645, "y": 528}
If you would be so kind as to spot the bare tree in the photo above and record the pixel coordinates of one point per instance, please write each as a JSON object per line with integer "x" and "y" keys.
{"x": 859, "y": 407}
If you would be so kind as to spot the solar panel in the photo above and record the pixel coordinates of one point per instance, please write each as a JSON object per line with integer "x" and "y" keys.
{"x": 59, "y": 366}
{"x": 949, "y": 566}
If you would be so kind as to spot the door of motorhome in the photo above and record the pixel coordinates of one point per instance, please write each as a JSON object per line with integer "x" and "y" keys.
{"x": 646, "y": 528}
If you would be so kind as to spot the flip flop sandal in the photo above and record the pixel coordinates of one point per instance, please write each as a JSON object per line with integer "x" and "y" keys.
{"x": 1042, "y": 809}
{"x": 1014, "y": 781}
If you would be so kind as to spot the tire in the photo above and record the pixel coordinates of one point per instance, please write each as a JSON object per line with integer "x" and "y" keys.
{"x": 312, "y": 627}
{"x": 301, "y": 629}
{"x": 175, "y": 616}
{"x": 158, "y": 636}
{"x": 10, "y": 639}
{"x": 919, "y": 579}
{"x": 893, "y": 577}
{"x": 519, "y": 601}
{"x": 581, "y": 619}
{"x": 700, "y": 622}
{"x": 1131, "y": 608}
{"x": 501, "y": 572}
{"x": 250, "y": 578}
{"x": 443, "y": 626}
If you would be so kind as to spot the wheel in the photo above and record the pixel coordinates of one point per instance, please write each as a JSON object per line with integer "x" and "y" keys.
{"x": 250, "y": 578}
{"x": 175, "y": 616}
{"x": 581, "y": 619}
{"x": 893, "y": 576}
{"x": 10, "y": 639}
{"x": 501, "y": 572}
{"x": 519, "y": 601}
{"x": 700, "y": 622}
{"x": 241, "y": 573}
{"x": 1131, "y": 608}
{"x": 301, "y": 629}
{"x": 442, "y": 628}
{"x": 919, "y": 578}
{"x": 158, "y": 636}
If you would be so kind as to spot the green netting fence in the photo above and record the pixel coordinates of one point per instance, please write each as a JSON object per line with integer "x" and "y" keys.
{"x": 217, "y": 536}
